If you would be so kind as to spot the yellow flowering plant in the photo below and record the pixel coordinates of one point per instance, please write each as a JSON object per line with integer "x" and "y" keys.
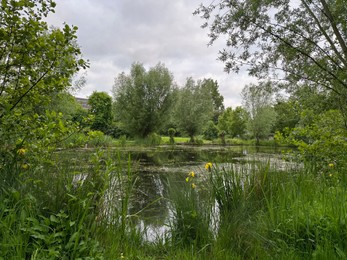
{"x": 208, "y": 166}
{"x": 21, "y": 151}
{"x": 190, "y": 177}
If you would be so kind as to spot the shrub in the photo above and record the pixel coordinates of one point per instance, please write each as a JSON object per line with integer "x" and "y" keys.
{"x": 171, "y": 132}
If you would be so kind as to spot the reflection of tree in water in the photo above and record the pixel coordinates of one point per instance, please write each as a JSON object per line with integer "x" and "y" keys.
{"x": 148, "y": 199}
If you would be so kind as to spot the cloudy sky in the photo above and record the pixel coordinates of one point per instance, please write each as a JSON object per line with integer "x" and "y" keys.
{"x": 113, "y": 34}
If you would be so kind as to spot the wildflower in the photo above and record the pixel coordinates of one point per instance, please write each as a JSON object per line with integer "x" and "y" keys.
{"x": 331, "y": 165}
{"x": 193, "y": 186}
{"x": 122, "y": 256}
{"x": 187, "y": 179}
{"x": 21, "y": 151}
{"x": 330, "y": 175}
{"x": 208, "y": 166}
{"x": 25, "y": 166}
{"x": 192, "y": 174}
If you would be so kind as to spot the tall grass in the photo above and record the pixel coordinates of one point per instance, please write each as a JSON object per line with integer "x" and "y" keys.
{"x": 67, "y": 209}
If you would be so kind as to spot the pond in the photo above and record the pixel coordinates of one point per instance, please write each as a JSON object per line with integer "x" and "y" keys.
{"x": 155, "y": 167}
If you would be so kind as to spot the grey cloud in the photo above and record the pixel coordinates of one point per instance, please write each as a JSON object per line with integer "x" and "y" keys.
{"x": 115, "y": 33}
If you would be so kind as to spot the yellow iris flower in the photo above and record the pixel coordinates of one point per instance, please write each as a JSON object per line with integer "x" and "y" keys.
{"x": 208, "y": 166}
{"x": 21, "y": 151}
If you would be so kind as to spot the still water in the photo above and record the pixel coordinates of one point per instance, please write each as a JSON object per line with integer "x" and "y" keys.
{"x": 156, "y": 168}
{"x": 154, "y": 165}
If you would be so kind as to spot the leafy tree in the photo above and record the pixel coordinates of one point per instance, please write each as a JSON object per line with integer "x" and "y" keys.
{"x": 233, "y": 122}
{"x": 320, "y": 140}
{"x": 211, "y": 131}
{"x": 35, "y": 61}
{"x": 217, "y": 99}
{"x": 101, "y": 108}
{"x": 64, "y": 103}
{"x": 143, "y": 98}
{"x": 298, "y": 42}
{"x": 288, "y": 114}
{"x": 240, "y": 118}
{"x": 194, "y": 108}
{"x": 262, "y": 117}
{"x": 225, "y": 120}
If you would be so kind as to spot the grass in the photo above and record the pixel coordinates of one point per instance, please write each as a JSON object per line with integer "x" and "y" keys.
{"x": 67, "y": 209}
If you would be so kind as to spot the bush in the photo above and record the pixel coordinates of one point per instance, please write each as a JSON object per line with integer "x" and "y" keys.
{"x": 321, "y": 140}
{"x": 98, "y": 138}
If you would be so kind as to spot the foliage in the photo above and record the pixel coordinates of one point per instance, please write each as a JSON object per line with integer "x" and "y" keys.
{"x": 211, "y": 86}
{"x": 171, "y": 132}
{"x": 36, "y": 64}
{"x": 233, "y": 122}
{"x": 258, "y": 103}
{"x": 63, "y": 102}
{"x": 301, "y": 42}
{"x": 321, "y": 139}
{"x": 52, "y": 214}
{"x": 143, "y": 98}
{"x": 191, "y": 217}
{"x": 288, "y": 114}
{"x": 194, "y": 108}
{"x": 101, "y": 108}
{"x": 211, "y": 131}
{"x": 99, "y": 139}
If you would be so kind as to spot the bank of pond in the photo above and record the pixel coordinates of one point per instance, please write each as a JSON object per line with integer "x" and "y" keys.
{"x": 174, "y": 202}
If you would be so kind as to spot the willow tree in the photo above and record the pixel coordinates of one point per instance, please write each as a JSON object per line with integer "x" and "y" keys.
{"x": 143, "y": 99}
{"x": 194, "y": 108}
{"x": 257, "y": 101}
{"x": 293, "y": 42}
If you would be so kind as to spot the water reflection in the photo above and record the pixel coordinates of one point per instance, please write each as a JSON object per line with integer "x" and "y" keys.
{"x": 155, "y": 165}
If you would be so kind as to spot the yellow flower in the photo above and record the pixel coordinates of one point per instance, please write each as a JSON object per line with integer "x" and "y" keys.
{"x": 21, "y": 151}
{"x": 331, "y": 165}
{"x": 25, "y": 166}
{"x": 208, "y": 166}
{"x": 122, "y": 256}
{"x": 330, "y": 175}
{"x": 187, "y": 179}
{"x": 192, "y": 174}
{"x": 193, "y": 186}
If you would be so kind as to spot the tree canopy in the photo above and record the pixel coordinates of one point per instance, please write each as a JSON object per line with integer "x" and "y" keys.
{"x": 194, "y": 108}
{"x": 302, "y": 42}
{"x": 101, "y": 108}
{"x": 143, "y": 98}
{"x": 36, "y": 62}
{"x": 258, "y": 103}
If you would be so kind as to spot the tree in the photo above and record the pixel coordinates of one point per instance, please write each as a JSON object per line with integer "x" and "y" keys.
{"x": 233, "y": 122}
{"x": 194, "y": 108}
{"x": 288, "y": 115}
{"x": 301, "y": 42}
{"x": 63, "y": 102}
{"x": 258, "y": 103}
{"x": 217, "y": 99}
{"x": 143, "y": 98}
{"x": 35, "y": 62}
{"x": 101, "y": 108}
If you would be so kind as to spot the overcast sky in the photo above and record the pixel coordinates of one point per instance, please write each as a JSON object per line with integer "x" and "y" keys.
{"x": 113, "y": 34}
